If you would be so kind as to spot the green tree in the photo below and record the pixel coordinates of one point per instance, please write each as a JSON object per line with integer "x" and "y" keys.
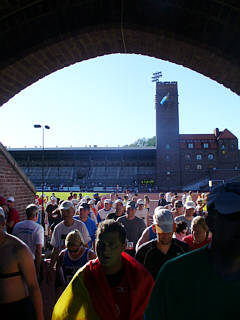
{"x": 142, "y": 142}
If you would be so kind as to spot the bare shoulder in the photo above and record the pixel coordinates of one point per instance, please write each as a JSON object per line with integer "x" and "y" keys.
{"x": 17, "y": 245}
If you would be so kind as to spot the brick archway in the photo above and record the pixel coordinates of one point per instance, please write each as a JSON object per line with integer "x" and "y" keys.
{"x": 39, "y": 37}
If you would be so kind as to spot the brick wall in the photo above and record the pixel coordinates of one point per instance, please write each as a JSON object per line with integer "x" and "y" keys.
{"x": 13, "y": 182}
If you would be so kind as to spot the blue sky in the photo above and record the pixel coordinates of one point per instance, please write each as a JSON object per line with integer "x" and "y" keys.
{"x": 109, "y": 101}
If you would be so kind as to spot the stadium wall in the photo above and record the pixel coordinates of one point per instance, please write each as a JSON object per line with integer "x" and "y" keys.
{"x": 13, "y": 182}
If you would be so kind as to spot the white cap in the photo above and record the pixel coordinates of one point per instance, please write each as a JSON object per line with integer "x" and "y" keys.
{"x": 83, "y": 200}
{"x": 190, "y": 205}
{"x": 118, "y": 201}
{"x": 87, "y": 197}
{"x": 65, "y": 205}
{"x": 2, "y": 213}
{"x": 107, "y": 201}
{"x": 91, "y": 202}
{"x": 11, "y": 199}
{"x": 140, "y": 201}
{"x": 53, "y": 198}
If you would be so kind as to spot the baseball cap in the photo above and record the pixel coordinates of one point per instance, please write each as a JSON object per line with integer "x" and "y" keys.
{"x": 107, "y": 201}
{"x": 83, "y": 200}
{"x": 87, "y": 197}
{"x": 2, "y": 213}
{"x": 11, "y": 199}
{"x": 131, "y": 204}
{"x": 140, "y": 201}
{"x": 65, "y": 205}
{"x": 163, "y": 219}
{"x": 118, "y": 201}
{"x": 95, "y": 195}
{"x": 92, "y": 201}
{"x": 190, "y": 205}
{"x": 225, "y": 198}
{"x": 84, "y": 206}
{"x": 2, "y": 201}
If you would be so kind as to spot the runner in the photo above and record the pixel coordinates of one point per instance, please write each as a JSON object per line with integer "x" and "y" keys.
{"x": 133, "y": 225}
{"x": 199, "y": 236}
{"x": 155, "y": 253}
{"x": 71, "y": 259}
{"x": 120, "y": 210}
{"x": 32, "y": 234}
{"x": 63, "y": 228}
{"x": 20, "y": 296}
{"x": 115, "y": 286}
{"x": 212, "y": 281}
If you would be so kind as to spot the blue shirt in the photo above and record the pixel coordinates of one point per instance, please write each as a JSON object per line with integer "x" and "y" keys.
{"x": 91, "y": 226}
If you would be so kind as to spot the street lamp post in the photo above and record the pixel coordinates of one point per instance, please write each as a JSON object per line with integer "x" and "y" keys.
{"x": 43, "y": 177}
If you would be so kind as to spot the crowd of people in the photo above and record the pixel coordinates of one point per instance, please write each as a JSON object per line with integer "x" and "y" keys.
{"x": 118, "y": 257}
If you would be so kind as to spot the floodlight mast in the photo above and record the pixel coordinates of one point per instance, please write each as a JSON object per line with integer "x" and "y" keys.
{"x": 156, "y": 76}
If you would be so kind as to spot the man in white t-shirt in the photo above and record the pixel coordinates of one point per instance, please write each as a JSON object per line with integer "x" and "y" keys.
{"x": 103, "y": 213}
{"x": 63, "y": 228}
{"x": 142, "y": 212}
{"x": 31, "y": 233}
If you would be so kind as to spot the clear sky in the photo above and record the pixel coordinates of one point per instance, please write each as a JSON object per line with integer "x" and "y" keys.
{"x": 109, "y": 101}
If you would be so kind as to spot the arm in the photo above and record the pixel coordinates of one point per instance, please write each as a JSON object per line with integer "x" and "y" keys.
{"x": 38, "y": 258}
{"x": 26, "y": 265}
{"x": 91, "y": 255}
{"x": 145, "y": 237}
{"x": 54, "y": 257}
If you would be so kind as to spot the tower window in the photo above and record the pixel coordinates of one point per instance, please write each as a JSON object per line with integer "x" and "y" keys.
{"x": 199, "y": 157}
{"x": 190, "y": 145}
{"x": 167, "y": 157}
{"x": 199, "y": 167}
{"x": 167, "y": 146}
{"x": 187, "y": 157}
{"x": 210, "y": 156}
{"x": 187, "y": 167}
{"x": 205, "y": 145}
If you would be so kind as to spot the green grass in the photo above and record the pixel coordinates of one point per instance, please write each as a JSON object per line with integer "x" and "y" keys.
{"x": 65, "y": 195}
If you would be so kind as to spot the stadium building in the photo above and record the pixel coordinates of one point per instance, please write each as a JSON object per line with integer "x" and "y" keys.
{"x": 179, "y": 161}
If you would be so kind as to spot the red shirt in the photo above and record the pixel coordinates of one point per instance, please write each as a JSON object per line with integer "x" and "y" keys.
{"x": 193, "y": 245}
{"x": 13, "y": 215}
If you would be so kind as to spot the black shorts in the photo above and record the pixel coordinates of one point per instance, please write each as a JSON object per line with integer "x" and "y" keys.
{"x": 22, "y": 309}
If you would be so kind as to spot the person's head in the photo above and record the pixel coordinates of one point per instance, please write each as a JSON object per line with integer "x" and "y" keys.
{"x": 164, "y": 225}
{"x": 125, "y": 197}
{"x": 74, "y": 242}
{"x": 107, "y": 204}
{"x": 88, "y": 198}
{"x": 110, "y": 243}
{"x": 178, "y": 206}
{"x": 74, "y": 196}
{"x": 190, "y": 193}
{"x": 131, "y": 209}
{"x": 3, "y": 204}
{"x": 189, "y": 208}
{"x": 140, "y": 204}
{"x": 32, "y": 212}
{"x": 146, "y": 198}
{"x": 2, "y": 219}
{"x": 53, "y": 200}
{"x": 223, "y": 217}
{"x": 10, "y": 202}
{"x": 84, "y": 210}
{"x": 181, "y": 229}
{"x": 112, "y": 196}
{"x": 199, "y": 229}
{"x": 161, "y": 195}
{"x": 119, "y": 207}
{"x": 134, "y": 198}
{"x": 67, "y": 210}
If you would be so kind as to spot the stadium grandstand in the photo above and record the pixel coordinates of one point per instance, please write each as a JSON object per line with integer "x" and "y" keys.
{"x": 96, "y": 169}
